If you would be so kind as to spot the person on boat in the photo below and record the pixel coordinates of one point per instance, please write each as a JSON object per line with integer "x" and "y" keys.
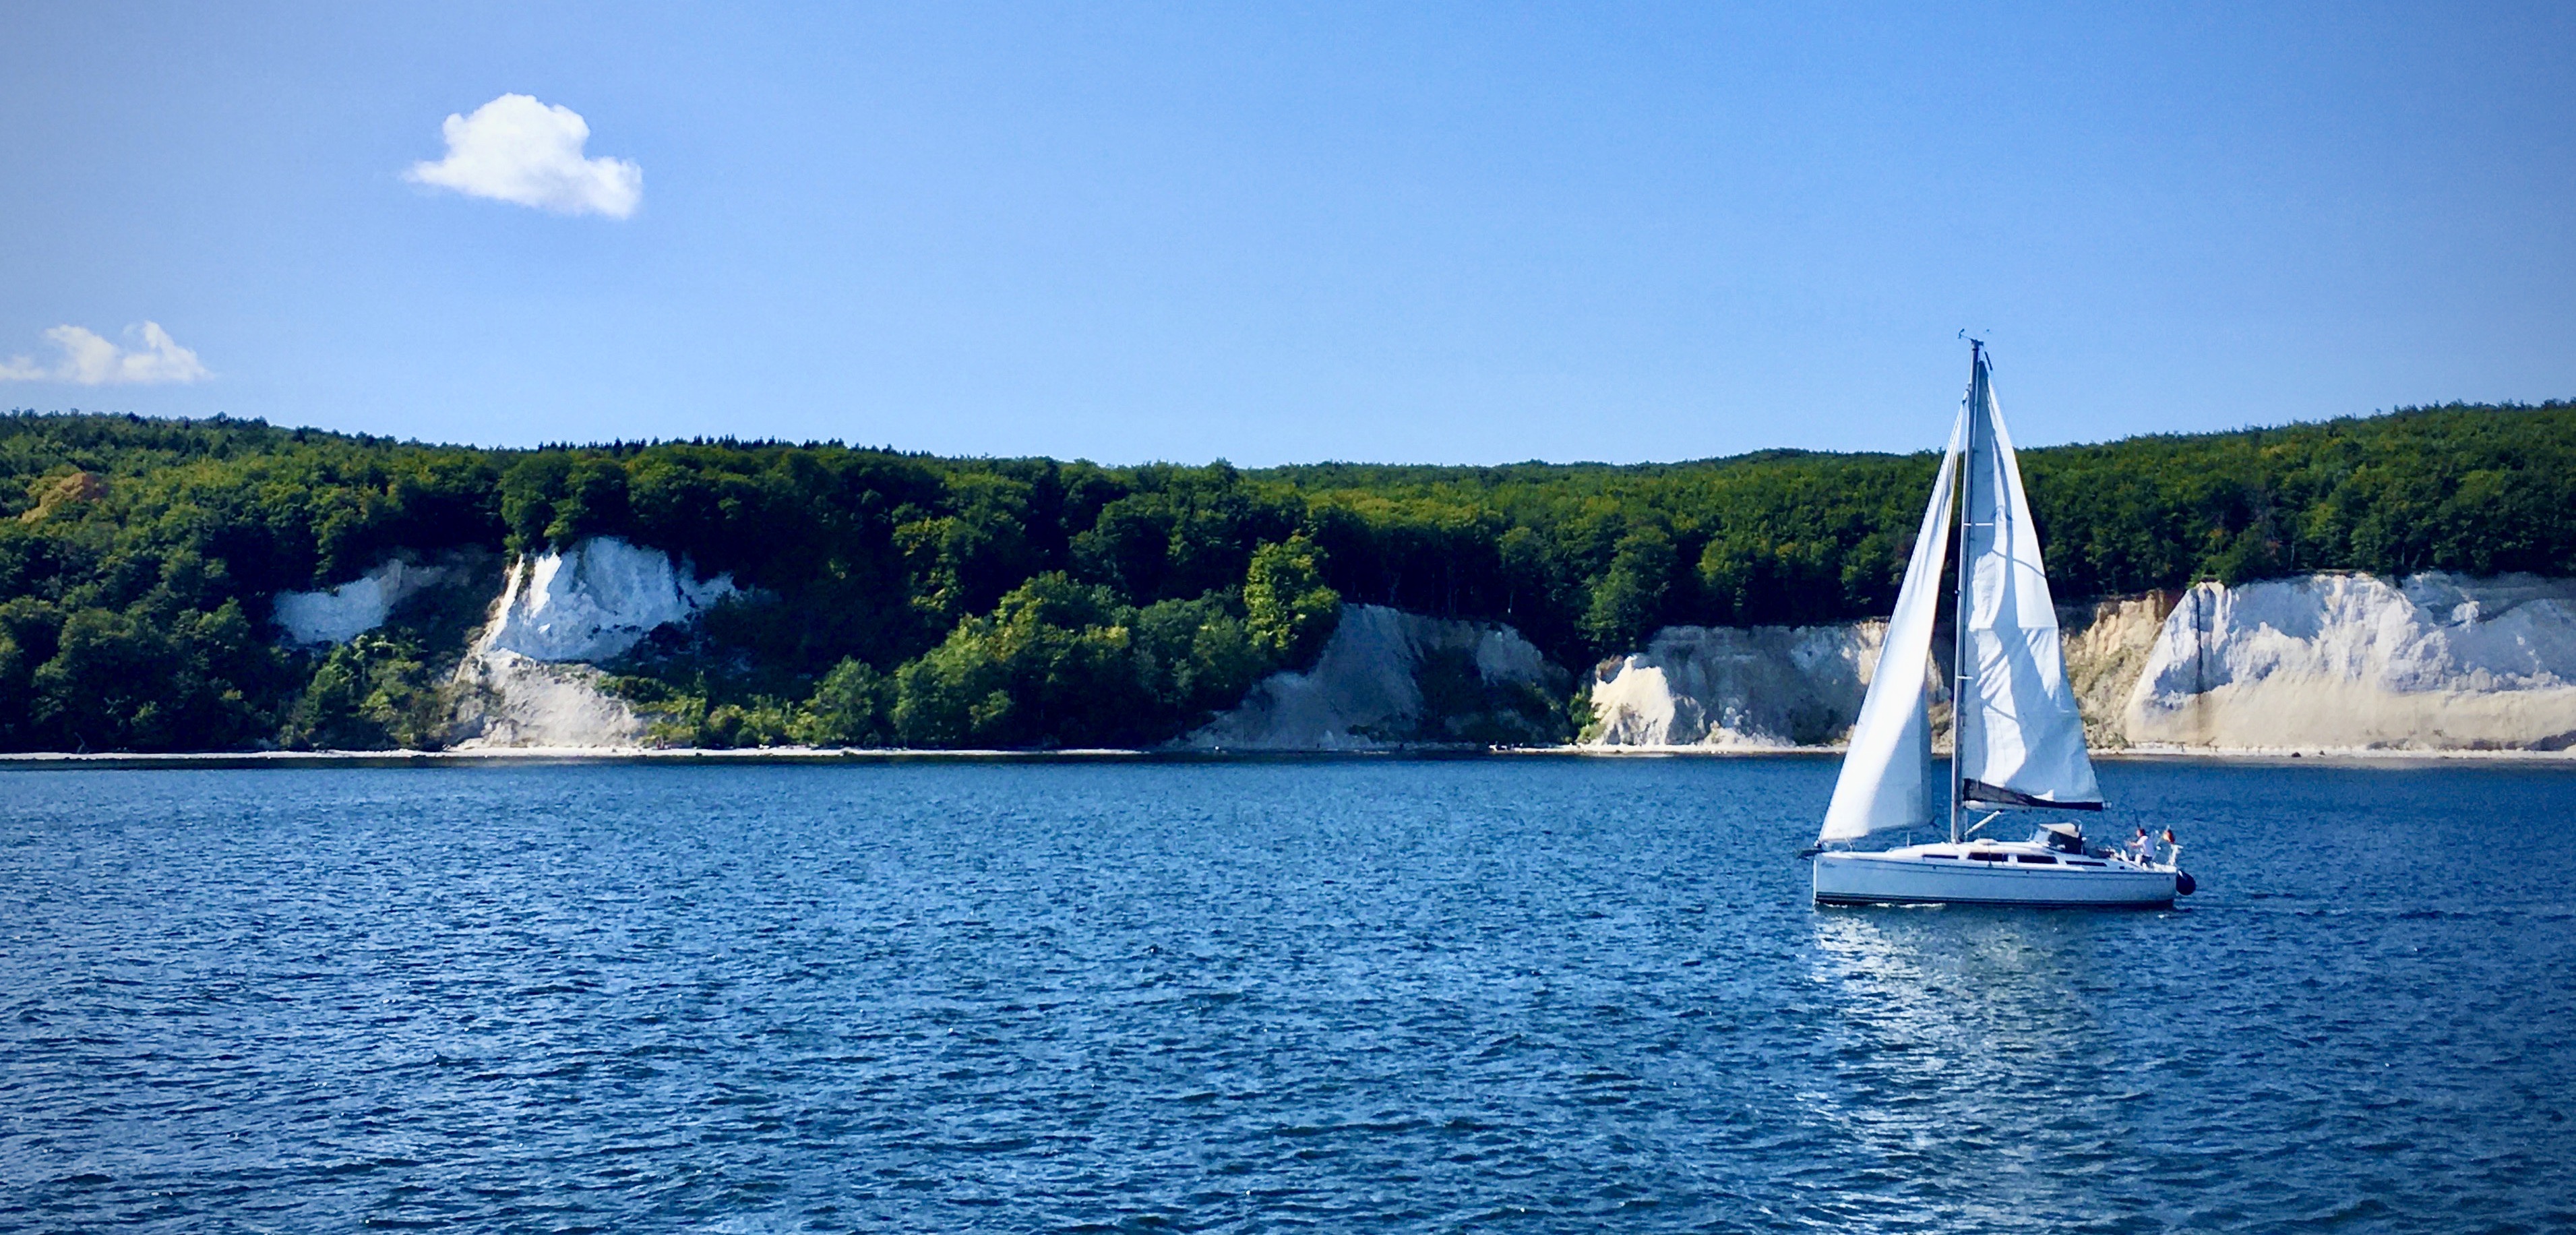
{"x": 2140, "y": 848}
{"x": 2169, "y": 845}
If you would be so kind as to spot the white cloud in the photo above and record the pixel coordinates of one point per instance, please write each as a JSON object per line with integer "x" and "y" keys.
{"x": 149, "y": 356}
{"x": 516, "y": 149}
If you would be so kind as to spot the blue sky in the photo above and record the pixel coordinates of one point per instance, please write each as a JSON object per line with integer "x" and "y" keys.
{"x": 1271, "y": 233}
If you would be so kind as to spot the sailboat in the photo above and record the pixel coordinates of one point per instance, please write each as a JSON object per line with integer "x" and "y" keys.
{"x": 2017, "y": 742}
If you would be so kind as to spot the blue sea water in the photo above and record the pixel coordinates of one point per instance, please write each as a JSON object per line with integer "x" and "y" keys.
{"x": 1511, "y": 994}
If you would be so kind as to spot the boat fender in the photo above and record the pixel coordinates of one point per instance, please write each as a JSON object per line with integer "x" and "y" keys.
{"x": 2183, "y": 883}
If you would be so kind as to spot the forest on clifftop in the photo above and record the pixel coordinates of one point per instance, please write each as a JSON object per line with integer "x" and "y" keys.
{"x": 906, "y": 599}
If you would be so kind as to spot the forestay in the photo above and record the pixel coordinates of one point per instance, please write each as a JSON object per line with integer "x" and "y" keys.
{"x": 1887, "y": 779}
{"x": 2020, "y": 738}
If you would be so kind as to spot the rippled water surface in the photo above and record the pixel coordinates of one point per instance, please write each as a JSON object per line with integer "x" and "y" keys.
{"x": 1524, "y": 994}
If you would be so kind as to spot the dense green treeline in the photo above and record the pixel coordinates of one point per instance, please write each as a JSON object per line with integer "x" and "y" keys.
{"x": 912, "y": 599}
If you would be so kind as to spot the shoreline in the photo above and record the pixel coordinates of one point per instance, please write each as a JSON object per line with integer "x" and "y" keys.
{"x": 548, "y": 756}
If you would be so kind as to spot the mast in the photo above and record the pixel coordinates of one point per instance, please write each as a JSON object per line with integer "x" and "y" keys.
{"x": 1959, "y": 623}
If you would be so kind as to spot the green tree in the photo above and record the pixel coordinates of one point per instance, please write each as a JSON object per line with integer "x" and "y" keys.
{"x": 849, "y": 708}
{"x": 1055, "y": 663}
{"x": 1628, "y": 602}
{"x": 1288, "y": 611}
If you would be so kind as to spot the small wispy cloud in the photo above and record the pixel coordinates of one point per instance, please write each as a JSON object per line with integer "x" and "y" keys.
{"x": 516, "y": 149}
{"x": 149, "y": 356}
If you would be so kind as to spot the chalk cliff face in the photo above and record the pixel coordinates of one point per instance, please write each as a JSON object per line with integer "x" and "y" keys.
{"x": 529, "y": 680}
{"x": 1775, "y": 687}
{"x": 503, "y": 699}
{"x": 2107, "y": 644}
{"x": 2439, "y": 662}
{"x": 1388, "y": 678}
{"x": 2330, "y": 661}
{"x": 1751, "y": 688}
{"x": 352, "y": 609}
{"x": 595, "y": 600}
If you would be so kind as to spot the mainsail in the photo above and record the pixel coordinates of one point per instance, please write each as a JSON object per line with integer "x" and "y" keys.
{"x": 1887, "y": 779}
{"x": 2020, "y": 739}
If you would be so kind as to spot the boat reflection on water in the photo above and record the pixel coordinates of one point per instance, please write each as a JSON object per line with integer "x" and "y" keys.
{"x": 1970, "y": 978}
{"x": 1951, "y": 1042}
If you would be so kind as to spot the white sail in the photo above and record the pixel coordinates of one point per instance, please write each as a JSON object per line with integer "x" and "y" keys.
{"x": 1887, "y": 779}
{"x": 2020, "y": 739}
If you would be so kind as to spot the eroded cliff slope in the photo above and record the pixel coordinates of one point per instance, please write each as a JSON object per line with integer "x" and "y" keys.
{"x": 1393, "y": 679}
{"x": 2323, "y": 662}
{"x": 532, "y": 678}
{"x": 1736, "y": 688}
{"x": 2437, "y": 662}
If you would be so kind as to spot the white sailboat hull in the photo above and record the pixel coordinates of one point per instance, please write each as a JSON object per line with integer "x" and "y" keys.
{"x": 1990, "y": 874}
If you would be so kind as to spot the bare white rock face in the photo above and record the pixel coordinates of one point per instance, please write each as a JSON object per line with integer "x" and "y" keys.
{"x": 2321, "y": 662}
{"x": 1737, "y": 688}
{"x": 2107, "y": 646}
{"x": 2350, "y": 661}
{"x": 1366, "y": 684}
{"x": 530, "y": 680}
{"x": 505, "y": 700}
{"x": 353, "y": 608}
{"x": 595, "y": 600}
{"x": 1776, "y": 687}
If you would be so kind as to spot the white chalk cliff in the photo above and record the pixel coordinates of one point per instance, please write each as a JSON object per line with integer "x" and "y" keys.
{"x": 2107, "y": 644}
{"x": 2439, "y": 662}
{"x": 595, "y": 600}
{"x": 2321, "y": 662}
{"x": 1732, "y": 688}
{"x": 340, "y": 614}
{"x": 505, "y": 700}
{"x": 1367, "y": 689}
{"x": 530, "y": 679}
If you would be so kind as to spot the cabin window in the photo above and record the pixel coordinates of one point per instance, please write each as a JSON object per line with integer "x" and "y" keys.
{"x": 2036, "y": 859}
{"x": 2095, "y": 865}
{"x": 1946, "y": 857}
{"x": 1986, "y": 857}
